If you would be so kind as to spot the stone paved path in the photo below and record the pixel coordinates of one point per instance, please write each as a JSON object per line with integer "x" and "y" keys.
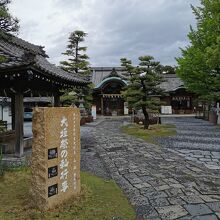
{"x": 90, "y": 159}
{"x": 159, "y": 183}
{"x": 197, "y": 140}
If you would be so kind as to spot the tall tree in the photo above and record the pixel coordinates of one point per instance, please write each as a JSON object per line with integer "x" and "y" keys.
{"x": 199, "y": 66}
{"x": 8, "y": 24}
{"x": 144, "y": 85}
{"x": 78, "y": 60}
{"x": 78, "y": 64}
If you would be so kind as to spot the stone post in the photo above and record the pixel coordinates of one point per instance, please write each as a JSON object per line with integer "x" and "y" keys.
{"x": 55, "y": 156}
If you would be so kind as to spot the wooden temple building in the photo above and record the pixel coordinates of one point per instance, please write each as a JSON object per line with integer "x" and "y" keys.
{"x": 26, "y": 72}
{"x": 109, "y": 82}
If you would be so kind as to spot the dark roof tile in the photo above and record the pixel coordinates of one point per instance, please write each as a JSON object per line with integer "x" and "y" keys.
{"x": 18, "y": 52}
{"x": 172, "y": 82}
{"x": 38, "y": 50}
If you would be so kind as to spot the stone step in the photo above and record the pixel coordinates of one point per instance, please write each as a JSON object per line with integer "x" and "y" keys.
{"x": 197, "y": 128}
{"x": 194, "y": 125}
{"x": 204, "y": 123}
{"x": 194, "y": 139}
{"x": 194, "y": 146}
{"x": 186, "y": 121}
{"x": 198, "y": 133}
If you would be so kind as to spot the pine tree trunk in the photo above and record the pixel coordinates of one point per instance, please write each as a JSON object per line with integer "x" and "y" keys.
{"x": 77, "y": 48}
{"x": 144, "y": 98}
{"x": 146, "y": 118}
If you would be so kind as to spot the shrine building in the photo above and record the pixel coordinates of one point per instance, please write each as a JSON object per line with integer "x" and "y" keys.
{"x": 109, "y": 82}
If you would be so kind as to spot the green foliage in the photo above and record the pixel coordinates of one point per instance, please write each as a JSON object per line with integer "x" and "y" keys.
{"x": 87, "y": 92}
{"x": 79, "y": 65}
{"x": 8, "y": 24}
{"x": 99, "y": 200}
{"x": 2, "y": 59}
{"x": 78, "y": 60}
{"x": 199, "y": 66}
{"x": 144, "y": 85}
{"x": 69, "y": 98}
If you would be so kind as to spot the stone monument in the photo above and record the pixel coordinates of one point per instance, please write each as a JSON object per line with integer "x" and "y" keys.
{"x": 55, "y": 156}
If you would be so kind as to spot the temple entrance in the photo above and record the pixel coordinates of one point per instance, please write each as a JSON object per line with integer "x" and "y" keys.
{"x": 113, "y": 105}
{"x": 181, "y": 102}
{"x": 108, "y": 98}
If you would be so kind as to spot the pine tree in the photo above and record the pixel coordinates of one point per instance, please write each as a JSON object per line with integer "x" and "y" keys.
{"x": 8, "y": 24}
{"x": 79, "y": 65}
{"x": 199, "y": 66}
{"x": 143, "y": 85}
{"x": 78, "y": 61}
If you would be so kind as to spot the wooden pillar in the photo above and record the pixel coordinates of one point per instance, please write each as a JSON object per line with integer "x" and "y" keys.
{"x": 102, "y": 105}
{"x": 13, "y": 112}
{"x": 56, "y": 100}
{"x": 19, "y": 122}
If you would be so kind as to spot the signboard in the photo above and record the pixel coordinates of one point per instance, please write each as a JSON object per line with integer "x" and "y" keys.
{"x": 166, "y": 109}
{"x": 94, "y": 112}
{"x": 55, "y": 156}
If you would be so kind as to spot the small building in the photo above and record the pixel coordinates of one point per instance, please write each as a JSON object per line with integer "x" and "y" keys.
{"x": 107, "y": 96}
{"x": 177, "y": 96}
{"x": 109, "y": 82}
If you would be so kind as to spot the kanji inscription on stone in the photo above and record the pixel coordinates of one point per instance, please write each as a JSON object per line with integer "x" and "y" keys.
{"x": 55, "y": 156}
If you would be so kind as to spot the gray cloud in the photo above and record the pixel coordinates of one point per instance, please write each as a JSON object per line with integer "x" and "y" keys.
{"x": 116, "y": 28}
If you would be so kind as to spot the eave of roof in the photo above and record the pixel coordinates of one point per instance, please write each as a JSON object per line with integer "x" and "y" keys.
{"x": 108, "y": 68}
{"x": 100, "y": 85}
{"x": 19, "y": 54}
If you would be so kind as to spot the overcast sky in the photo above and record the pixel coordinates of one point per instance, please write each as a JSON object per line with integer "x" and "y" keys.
{"x": 116, "y": 28}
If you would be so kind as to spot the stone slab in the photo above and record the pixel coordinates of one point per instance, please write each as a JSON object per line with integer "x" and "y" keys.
{"x": 205, "y": 217}
{"x": 55, "y": 156}
{"x": 171, "y": 212}
{"x": 215, "y": 206}
{"x": 199, "y": 209}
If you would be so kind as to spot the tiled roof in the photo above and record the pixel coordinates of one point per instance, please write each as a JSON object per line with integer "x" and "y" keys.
{"x": 172, "y": 82}
{"x": 9, "y": 60}
{"x": 101, "y": 73}
{"x": 17, "y": 53}
{"x": 28, "y": 46}
{"x": 51, "y": 69}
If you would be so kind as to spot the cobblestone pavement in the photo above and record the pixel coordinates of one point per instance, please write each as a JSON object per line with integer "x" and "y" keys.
{"x": 197, "y": 140}
{"x": 90, "y": 159}
{"x": 159, "y": 183}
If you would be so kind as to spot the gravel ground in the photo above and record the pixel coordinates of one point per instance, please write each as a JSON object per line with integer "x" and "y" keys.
{"x": 197, "y": 140}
